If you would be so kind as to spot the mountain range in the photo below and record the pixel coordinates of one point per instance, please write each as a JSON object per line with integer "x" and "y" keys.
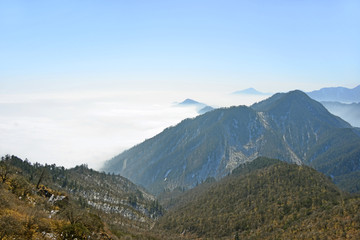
{"x": 209, "y": 178}
{"x": 337, "y": 94}
{"x": 288, "y": 126}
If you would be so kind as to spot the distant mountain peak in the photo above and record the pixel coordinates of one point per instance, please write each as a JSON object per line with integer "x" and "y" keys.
{"x": 205, "y": 109}
{"x": 201, "y": 108}
{"x": 296, "y": 92}
{"x": 298, "y": 106}
{"x": 189, "y": 101}
{"x": 249, "y": 91}
{"x": 297, "y": 95}
{"x": 285, "y": 98}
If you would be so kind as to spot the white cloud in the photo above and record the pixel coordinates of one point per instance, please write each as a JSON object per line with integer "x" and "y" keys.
{"x": 73, "y": 128}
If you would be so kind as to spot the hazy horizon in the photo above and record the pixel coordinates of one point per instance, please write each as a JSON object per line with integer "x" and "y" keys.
{"x": 82, "y": 81}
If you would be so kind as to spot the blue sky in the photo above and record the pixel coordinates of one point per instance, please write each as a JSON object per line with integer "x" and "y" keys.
{"x": 280, "y": 45}
{"x": 80, "y": 81}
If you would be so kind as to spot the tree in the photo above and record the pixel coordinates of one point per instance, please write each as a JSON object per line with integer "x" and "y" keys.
{"x": 9, "y": 227}
{"x": 40, "y": 178}
{"x": 4, "y": 171}
{"x": 132, "y": 200}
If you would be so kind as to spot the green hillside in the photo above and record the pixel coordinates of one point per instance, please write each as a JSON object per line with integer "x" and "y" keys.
{"x": 279, "y": 201}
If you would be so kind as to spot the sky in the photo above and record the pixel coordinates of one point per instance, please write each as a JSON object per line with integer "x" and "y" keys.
{"x": 81, "y": 81}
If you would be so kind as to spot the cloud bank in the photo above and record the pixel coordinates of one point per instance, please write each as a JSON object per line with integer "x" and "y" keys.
{"x": 73, "y": 128}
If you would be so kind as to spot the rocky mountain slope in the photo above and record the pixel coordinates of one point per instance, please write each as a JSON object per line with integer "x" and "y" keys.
{"x": 288, "y": 126}
{"x": 125, "y": 208}
{"x": 35, "y": 211}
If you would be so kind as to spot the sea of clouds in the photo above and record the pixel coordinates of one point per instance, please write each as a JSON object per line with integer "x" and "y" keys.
{"x": 90, "y": 127}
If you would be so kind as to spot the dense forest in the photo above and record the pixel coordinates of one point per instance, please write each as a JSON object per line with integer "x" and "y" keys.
{"x": 266, "y": 199}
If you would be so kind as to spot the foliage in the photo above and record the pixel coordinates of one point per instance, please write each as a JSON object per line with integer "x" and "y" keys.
{"x": 258, "y": 163}
{"x": 349, "y": 182}
{"x": 281, "y": 201}
{"x": 36, "y": 204}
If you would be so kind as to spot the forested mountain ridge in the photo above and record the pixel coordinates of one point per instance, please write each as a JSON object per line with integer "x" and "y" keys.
{"x": 266, "y": 199}
{"x": 31, "y": 210}
{"x": 118, "y": 204}
{"x": 287, "y": 126}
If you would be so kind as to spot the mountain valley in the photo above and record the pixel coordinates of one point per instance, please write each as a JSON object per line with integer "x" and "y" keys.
{"x": 347, "y": 111}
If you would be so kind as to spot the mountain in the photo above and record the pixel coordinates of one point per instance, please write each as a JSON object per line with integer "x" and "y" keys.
{"x": 190, "y": 102}
{"x": 201, "y": 108}
{"x": 250, "y": 91}
{"x": 337, "y": 94}
{"x": 287, "y": 126}
{"x": 265, "y": 199}
{"x": 340, "y": 101}
{"x": 34, "y": 211}
{"x": 205, "y": 109}
{"x": 347, "y": 111}
{"x": 124, "y": 208}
